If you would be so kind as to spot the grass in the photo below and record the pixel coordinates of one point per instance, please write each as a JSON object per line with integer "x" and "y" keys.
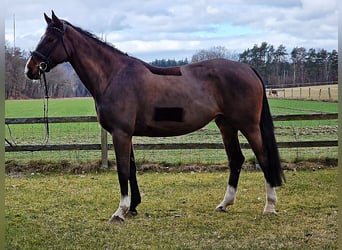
{"x": 85, "y": 106}
{"x": 63, "y": 211}
{"x": 57, "y": 107}
{"x": 283, "y": 106}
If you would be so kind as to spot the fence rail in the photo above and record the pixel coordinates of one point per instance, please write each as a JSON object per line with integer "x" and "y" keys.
{"x": 329, "y": 92}
{"x": 104, "y": 146}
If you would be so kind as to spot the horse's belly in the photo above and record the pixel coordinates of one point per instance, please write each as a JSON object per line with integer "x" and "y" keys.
{"x": 170, "y": 128}
{"x": 176, "y": 115}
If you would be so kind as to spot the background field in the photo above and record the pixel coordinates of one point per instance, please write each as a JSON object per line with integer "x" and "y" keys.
{"x": 316, "y": 93}
{"x": 86, "y": 106}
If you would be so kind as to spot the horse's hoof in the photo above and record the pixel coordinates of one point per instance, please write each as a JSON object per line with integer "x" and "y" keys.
{"x": 116, "y": 218}
{"x": 132, "y": 213}
{"x": 221, "y": 209}
{"x": 269, "y": 213}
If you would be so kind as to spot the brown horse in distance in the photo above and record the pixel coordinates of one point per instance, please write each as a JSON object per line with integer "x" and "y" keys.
{"x": 133, "y": 98}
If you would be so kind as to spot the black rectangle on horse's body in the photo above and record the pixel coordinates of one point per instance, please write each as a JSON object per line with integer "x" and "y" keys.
{"x": 174, "y": 114}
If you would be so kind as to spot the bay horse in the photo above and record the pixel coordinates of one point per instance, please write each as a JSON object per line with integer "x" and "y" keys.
{"x": 133, "y": 98}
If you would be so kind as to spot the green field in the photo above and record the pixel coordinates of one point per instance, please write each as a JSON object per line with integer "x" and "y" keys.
{"x": 85, "y": 106}
{"x": 57, "y": 107}
{"x": 67, "y": 211}
{"x": 90, "y": 133}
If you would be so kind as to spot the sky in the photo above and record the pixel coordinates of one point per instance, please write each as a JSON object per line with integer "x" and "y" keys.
{"x": 177, "y": 29}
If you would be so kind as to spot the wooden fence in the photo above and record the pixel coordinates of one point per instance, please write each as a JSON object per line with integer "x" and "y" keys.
{"x": 104, "y": 146}
{"x": 328, "y": 93}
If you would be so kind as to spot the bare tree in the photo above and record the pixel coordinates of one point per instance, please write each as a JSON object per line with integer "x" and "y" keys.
{"x": 214, "y": 52}
{"x": 14, "y": 73}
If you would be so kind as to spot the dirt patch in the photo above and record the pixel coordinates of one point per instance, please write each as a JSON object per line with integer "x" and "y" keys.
{"x": 15, "y": 168}
{"x": 311, "y": 165}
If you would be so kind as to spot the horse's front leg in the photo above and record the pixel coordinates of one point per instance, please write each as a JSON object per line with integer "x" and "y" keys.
{"x": 122, "y": 146}
{"x": 271, "y": 199}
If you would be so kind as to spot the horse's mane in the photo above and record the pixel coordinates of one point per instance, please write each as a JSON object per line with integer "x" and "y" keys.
{"x": 153, "y": 69}
{"x": 95, "y": 38}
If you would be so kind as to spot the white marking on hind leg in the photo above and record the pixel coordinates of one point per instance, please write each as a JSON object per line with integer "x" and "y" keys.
{"x": 228, "y": 199}
{"x": 271, "y": 200}
{"x": 122, "y": 210}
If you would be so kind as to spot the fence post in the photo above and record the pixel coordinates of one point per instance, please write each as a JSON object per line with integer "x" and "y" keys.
{"x": 104, "y": 149}
{"x": 329, "y": 94}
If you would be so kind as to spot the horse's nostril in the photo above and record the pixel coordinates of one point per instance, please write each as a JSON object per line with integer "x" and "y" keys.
{"x": 31, "y": 75}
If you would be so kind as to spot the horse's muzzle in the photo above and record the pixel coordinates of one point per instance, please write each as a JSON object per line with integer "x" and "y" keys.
{"x": 32, "y": 75}
{"x": 31, "y": 70}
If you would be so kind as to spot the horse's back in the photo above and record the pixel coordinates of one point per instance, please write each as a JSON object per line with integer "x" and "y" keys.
{"x": 218, "y": 66}
{"x": 227, "y": 76}
{"x": 237, "y": 89}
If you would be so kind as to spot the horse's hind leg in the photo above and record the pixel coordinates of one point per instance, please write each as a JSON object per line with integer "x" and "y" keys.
{"x": 236, "y": 159}
{"x": 135, "y": 194}
{"x": 253, "y": 135}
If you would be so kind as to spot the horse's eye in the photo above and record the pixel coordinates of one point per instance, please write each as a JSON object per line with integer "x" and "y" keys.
{"x": 49, "y": 39}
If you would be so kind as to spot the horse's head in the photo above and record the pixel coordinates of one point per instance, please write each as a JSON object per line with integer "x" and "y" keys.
{"x": 50, "y": 51}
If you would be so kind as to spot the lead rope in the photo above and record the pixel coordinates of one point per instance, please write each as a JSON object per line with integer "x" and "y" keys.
{"x": 12, "y": 143}
{"x": 46, "y": 103}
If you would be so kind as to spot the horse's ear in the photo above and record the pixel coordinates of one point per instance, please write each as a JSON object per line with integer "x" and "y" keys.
{"x": 56, "y": 20}
{"x": 47, "y": 19}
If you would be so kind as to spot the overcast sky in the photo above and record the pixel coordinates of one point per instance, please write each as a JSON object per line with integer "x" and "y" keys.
{"x": 155, "y": 29}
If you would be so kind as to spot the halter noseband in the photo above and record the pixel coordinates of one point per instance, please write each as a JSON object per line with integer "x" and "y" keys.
{"x": 44, "y": 65}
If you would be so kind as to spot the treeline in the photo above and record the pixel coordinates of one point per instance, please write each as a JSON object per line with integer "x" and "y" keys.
{"x": 62, "y": 80}
{"x": 169, "y": 62}
{"x": 277, "y": 66}
{"x": 281, "y": 68}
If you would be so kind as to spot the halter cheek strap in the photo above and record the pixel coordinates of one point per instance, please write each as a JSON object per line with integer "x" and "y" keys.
{"x": 44, "y": 65}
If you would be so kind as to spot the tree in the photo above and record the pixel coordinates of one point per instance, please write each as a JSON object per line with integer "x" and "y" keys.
{"x": 213, "y": 53}
{"x": 333, "y": 65}
{"x": 260, "y": 58}
{"x": 311, "y": 65}
{"x": 62, "y": 80}
{"x": 279, "y": 65}
{"x": 298, "y": 57}
{"x": 323, "y": 62}
{"x": 14, "y": 72}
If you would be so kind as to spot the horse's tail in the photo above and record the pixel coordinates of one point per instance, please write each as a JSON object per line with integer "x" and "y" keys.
{"x": 274, "y": 173}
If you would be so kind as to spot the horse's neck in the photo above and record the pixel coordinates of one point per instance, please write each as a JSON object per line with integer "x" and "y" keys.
{"x": 94, "y": 63}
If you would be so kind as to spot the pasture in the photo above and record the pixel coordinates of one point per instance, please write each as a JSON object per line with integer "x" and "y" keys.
{"x": 48, "y": 206}
{"x": 68, "y": 211}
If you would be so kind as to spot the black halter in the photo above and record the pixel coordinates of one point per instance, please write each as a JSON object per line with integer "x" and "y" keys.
{"x": 44, "y": 65}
